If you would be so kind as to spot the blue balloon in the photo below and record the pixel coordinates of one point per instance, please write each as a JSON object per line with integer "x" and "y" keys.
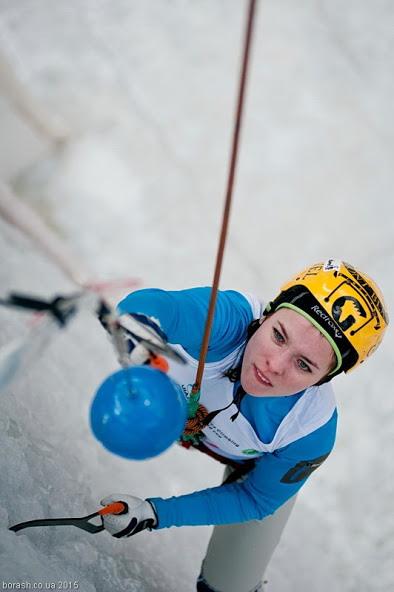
{"x": 138, "y": 413}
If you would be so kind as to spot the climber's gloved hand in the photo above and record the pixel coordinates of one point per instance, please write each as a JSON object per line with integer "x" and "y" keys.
{"x": 138, "y": 515}
{"x": 145, "y": 327}
{"x": 131, "y": 352}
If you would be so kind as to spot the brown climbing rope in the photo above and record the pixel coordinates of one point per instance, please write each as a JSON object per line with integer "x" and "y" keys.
{"x": 195, "y": 424}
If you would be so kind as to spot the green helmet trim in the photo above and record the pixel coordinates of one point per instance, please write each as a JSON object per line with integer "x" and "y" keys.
{"x": 322, "y": 331}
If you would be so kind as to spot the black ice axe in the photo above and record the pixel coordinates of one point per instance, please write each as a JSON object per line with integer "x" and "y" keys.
{"x": 83, "y": 522}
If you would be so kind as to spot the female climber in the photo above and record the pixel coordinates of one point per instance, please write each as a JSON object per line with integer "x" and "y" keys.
{"x": 267, "y": 407}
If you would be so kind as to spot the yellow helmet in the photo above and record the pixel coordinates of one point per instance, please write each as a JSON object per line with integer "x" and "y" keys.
{"x": 343, "y": 303}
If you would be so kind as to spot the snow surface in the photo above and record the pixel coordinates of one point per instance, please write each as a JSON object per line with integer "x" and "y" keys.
{"x": 146, "y": 91}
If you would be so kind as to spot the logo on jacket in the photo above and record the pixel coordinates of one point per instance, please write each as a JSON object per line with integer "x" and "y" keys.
{"x": 303, "y": 469}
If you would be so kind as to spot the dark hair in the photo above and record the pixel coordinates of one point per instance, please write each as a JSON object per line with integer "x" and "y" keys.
{"x": 333, "y": 365}
{"x": 234, "y": 374}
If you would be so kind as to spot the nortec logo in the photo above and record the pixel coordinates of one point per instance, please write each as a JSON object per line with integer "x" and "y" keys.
{"x": 326, "y": 318}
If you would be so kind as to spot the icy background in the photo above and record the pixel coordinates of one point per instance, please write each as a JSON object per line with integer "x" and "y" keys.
{"x": 145, "y": 92}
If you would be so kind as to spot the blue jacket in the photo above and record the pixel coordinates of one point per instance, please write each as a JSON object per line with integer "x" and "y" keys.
{"x": 277, "y": 476}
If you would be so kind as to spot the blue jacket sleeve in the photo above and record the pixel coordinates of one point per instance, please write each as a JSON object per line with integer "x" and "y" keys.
{"x": 182, "y": 315}
{"x": 274, "y": 480}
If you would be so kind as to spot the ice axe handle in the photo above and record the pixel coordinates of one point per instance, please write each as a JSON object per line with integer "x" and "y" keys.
{"x": 83, "y": 523}
{"x": 115, "y": 508}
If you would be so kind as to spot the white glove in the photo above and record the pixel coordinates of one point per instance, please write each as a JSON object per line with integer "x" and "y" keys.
{"x": 138, "y": 515}
{"x": 130, "y": 351}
